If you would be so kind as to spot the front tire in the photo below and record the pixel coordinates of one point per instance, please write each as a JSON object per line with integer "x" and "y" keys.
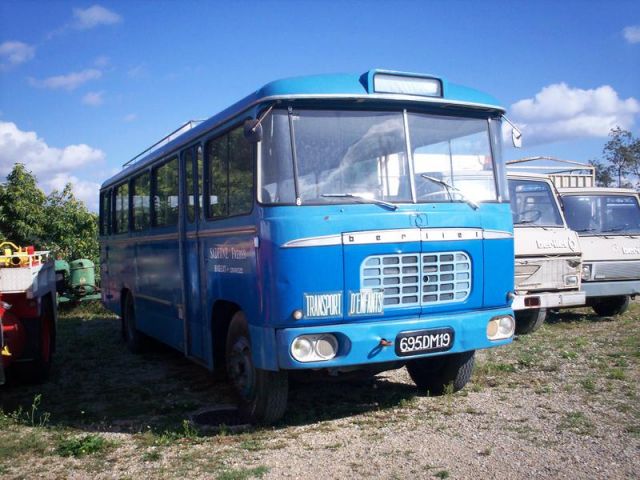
{"x": 438, "y": 374}
{"x": 530, "y": 320}
{"x": 610, "y": 306}
{"x": 262, "y": 394}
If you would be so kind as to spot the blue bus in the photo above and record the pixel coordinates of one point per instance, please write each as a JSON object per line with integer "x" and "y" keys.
{"x": 330, "y": 222}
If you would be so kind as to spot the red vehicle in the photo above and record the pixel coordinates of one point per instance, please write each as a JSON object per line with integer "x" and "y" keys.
{"x": 28, "y": 313}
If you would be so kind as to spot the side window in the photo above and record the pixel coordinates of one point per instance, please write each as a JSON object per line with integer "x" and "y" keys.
{"x": 200, "y": 174}
{"x": 165, "y": 200}
{"x": 217, "y": 198}
{"x": 240, "y": 173}
{"x": 189, "y": 185}
{"x": 141, "y": 203}
{"x": 105, "y": 212}
{"x": 122, "y": 208}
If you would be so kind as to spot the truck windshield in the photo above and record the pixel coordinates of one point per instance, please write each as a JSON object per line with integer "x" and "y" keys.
{"x": 346, "y": 156}
{"x": 603, "y": 214}
{"x": 533, "y": 204}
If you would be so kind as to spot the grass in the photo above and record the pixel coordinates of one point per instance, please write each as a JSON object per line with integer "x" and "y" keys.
{"x": 81, "y": 446}
{"x": 98, "y": 387}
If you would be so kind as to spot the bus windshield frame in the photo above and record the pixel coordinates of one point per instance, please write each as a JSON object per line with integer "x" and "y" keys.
{"x": 337, "y": 156}
{"x": 598, "y": 214}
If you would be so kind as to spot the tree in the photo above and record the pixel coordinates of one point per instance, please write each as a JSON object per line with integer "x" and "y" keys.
{"x": 604, "y": 174}
{"x": 59, "y": 222}
{"x": 22, "y": 214}
{"x": 622, "y": 152}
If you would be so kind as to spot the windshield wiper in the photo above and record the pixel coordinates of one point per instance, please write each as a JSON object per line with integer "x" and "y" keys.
{"x": 364, "y": 199}
{"x": 582, "y": 230}
{"x": 614, "y": 229}
{"x": 451, "y": 188}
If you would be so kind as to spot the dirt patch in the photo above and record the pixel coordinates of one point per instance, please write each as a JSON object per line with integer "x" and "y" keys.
{"x": 560, "y": 403}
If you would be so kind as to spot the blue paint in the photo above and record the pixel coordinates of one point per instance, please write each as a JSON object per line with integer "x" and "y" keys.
{"x": 181, "y": 275}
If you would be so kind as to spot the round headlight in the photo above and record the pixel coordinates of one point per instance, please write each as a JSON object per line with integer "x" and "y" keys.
{"x": 327, "y": 346}
{"x": 301, "y": 348}
{"x": 492, "y": 329}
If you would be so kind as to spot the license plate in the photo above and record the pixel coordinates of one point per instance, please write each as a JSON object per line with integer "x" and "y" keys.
{"x": 424, "y": 341}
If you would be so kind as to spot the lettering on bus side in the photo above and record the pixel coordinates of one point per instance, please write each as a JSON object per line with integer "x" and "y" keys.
{"x": 323, "y": 305}
{"x": 229, "y": 259}
{"x": 366, "y": 302}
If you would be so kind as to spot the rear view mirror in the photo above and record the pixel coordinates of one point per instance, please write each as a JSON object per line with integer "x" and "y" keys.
{"x": 253, "y": 130}
{"x": 516, "y": 137}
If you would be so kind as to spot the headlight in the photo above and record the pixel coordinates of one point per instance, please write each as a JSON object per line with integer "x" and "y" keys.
{"x": 314, "y": 348}
{"x": 586, "y": 271}
{"x": 501, "y": 327}
{"x": 571, "y": 280}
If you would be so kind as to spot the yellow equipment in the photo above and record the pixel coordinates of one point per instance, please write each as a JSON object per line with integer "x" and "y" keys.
{"x": 14, "y": 256}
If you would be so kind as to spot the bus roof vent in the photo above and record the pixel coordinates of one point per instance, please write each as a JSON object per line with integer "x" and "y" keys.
{"x": 164, "y": 140}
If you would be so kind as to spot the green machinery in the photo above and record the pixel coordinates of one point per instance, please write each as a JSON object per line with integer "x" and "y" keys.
{"x": 76, "y": 281}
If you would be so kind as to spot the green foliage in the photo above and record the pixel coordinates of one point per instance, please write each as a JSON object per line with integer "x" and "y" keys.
{"x": 622, "y": 153}
{"x": 79, "y": 447}
{"x": 58, "y": 222}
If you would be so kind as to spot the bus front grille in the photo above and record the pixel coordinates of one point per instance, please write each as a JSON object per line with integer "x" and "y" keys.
{"x": 412, "y": 279}
{"x": 624, "y": 270}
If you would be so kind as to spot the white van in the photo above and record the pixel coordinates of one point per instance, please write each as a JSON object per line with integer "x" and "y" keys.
{"x": 547, "y": 252}
{"x": 607, "y": 221}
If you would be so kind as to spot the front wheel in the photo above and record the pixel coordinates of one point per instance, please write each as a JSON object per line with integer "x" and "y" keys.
{"x": 529, "y": 320}
{"x": 443, "y": 373}
{"x": 610, "y": 306}
{"x": 262, "y": 394}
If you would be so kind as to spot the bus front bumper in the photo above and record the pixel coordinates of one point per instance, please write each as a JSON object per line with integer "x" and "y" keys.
{"x": 548, "y": 300}
{"x": 375, "y": 341}
{"x": 611, "y": 288}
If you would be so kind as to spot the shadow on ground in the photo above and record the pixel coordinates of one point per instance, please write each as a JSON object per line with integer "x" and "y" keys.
{"x": 98, "y": 385}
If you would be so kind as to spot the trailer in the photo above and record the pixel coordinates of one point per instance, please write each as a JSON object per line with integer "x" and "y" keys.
{"x": 28, "y": 314}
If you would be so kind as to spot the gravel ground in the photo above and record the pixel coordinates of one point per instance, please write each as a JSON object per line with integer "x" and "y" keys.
{"x": 560, "y": 403}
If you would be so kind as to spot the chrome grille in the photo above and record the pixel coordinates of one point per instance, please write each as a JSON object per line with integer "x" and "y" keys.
{"x": 625, "y": 270}
{"x": 545, "y": 273}
{"x": 412, "y": 279}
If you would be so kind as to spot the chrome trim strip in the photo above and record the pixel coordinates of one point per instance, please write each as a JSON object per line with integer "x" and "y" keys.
{"x": 399, "y": 236}
{"x": 220, "y": 232}
{"x": 321, "y": 241}
{"x": 146, "y": 238}
{"x": 381, "y": 236}
{"x": 496, "y": 234}
{"x": 153, "y": 299}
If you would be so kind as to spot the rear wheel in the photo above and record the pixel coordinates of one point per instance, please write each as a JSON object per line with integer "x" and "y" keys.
{"x": 444, "y": 373}
{"x": 609, "y": 306}
{"x": 262, "y": 394}
{"x": 529, "y": 320}
{"x": 132, "y": 337}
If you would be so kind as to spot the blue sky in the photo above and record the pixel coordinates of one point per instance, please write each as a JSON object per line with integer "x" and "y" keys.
{"x": 85, "y": 86}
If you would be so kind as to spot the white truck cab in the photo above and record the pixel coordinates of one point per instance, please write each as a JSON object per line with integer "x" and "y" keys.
{"x": 607, "y": 221}
{"x": 547, "y": 252}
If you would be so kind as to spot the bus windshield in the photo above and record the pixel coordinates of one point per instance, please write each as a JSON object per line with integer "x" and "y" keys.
{"x": 603, "y": 214}
{"x": 533, "y": 204}
{"x": 361, "y": 156}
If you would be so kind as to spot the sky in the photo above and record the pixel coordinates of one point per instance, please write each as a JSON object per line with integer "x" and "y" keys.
{"x": 86, "y": 86}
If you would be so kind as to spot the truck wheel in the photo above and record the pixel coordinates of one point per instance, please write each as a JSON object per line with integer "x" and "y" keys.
{"x": 132, "y": 337}
{"x": 609, "y": 306}
{"x": 529, "y": 320}
{"x": 262, "y": 394}
{"x": 38, "y": 370}
{"x": 437, "y": 374}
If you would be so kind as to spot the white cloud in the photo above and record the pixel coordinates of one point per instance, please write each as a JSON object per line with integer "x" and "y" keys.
{"x": 15, "y": 53}
{"x": 93, "y": 99}
{"x": 130, "y": 117}
{"x": 139, "y": 71}
{"x": 560, "y": 112}
{"x": 52, "y": 165}
{"x": 632, "y": 34}
{"x": 70, "y": 81}
{"x": 94, "y": 16}
{"x": 84, "y": 190}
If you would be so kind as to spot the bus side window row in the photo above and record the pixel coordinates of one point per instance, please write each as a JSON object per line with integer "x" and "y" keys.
{"x": 229, "y": 164}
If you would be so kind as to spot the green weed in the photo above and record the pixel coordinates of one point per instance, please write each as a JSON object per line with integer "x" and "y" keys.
{"x": 79, "y": 447}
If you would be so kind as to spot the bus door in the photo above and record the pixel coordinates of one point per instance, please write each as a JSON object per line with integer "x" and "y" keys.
{"x": 192, "y": 313}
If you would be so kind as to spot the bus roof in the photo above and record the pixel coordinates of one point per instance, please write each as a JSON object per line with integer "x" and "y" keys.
{"x": 328, "y": 86}
{"x": 596, "y": 191}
